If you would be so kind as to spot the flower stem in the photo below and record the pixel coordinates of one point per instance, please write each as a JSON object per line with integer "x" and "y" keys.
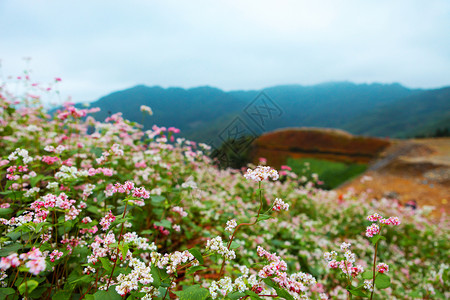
{"x": 243, "y": 224}
{"x": 118, "y": 243}
{"x": 374, "y": 266}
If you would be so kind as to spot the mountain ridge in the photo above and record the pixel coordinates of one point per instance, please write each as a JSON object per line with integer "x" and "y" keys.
{"x": 203, "y": 112}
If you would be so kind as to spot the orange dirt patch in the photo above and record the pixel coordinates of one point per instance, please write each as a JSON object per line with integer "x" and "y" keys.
{"x": 416, "y": 170}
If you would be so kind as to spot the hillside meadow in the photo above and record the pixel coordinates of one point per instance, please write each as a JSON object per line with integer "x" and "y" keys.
{"x": 100, "y": 209}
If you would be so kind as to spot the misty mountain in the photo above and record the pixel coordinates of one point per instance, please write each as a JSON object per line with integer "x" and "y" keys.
{"x": 205, "y": 113}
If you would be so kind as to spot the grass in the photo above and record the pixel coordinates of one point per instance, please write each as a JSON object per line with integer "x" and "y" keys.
{"x": 331, "y": 173}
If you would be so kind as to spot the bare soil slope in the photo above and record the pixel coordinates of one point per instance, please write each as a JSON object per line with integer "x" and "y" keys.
{"x": 413, "y": 170}
{"x": 407, "y": 170}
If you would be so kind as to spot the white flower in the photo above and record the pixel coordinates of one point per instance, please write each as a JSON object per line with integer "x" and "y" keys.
{"x": 368, "y": 285}
{"x": 190, "y": 183}
{"x": 279, "y": 204}
{"x": 261, "y": 173}
{"x": 216, "y": 245}
{"x": 146, "y": 109}
{"x": 231, "y": 224}
{"x": 345, "y": 246}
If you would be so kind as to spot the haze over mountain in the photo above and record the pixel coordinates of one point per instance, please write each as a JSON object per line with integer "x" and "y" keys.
{"x": 205, "y": 113}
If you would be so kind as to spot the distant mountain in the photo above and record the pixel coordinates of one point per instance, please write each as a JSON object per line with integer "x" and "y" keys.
{"x": 418, "y": 114}
{"x": 206, "y": 113}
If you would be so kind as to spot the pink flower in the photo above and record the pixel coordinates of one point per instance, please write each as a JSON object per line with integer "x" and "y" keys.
{"x": 10, "y": 261}
{"x": 391, "y": 221}
{"x": 141, "y": 193}
{"x": 173, "y": 129}
{"x": 382, "y": 268}
{"x": 180, "y": 211}
{"x": 36, "y": 266}
{"x": 106, "y": 221}
{"x": 286, "y": 168}
{"x": 50, "y": 160}
{"x": 55, "y": 255}
{"x": 372, "y": 230}
{"x": 374, "y": 218}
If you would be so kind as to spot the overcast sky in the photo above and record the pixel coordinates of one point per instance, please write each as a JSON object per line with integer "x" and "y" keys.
{"x": 97, "y": 47}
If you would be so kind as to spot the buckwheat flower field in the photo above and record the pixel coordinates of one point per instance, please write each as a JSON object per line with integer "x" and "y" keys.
{"x": 100, "y": 209}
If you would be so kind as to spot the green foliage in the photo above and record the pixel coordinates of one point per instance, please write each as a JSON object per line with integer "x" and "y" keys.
{"x": 195, "y": 292}
{"x": 382, "y": 281}
{"x": 331, "y": 173}
{"x": 111, "y": 294}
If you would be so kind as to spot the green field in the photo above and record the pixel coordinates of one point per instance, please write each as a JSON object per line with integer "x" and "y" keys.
{"x": 331, "y": 173}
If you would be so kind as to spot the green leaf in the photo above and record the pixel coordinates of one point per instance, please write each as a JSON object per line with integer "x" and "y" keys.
{"x": 94, "y": 210}
{"x": 253, "y": 295}
{"x": 234, "y": 245}
{"x": 269, "y": 282}
{"x": 155, "y": 275}
{"x": 106, "y": 263}
{"x": 110, "y": 294}
{"x": 36, "y": 179}
{"x": 263, "y": 217}
{"x": 367, "y": 274}
{"x": 124, "y": 250}
{"x": 283, "y": 294}
{"x": 195, "y": 292}
{"x": 376, "y": 238}
{"x": 235, "y": 295}
{"x": 164, "y": 223}
{"x": 197, "y": 255}
{"x": 6, "y": 211}
{"x": 157, "y": 199}
{"x": 6, "y": 291}
{"x": 356, "y": 292}
{"x": 83, "y": 279}
{"x": 416, "y": 294}
{"x": 14, "y": 235}
{"x": 62, "y": 295}
{"x": 195, "y": 269}
{"x": 28, "y": 286}
{"x": 11, "y": 248}
{"x": 382, "y": 281}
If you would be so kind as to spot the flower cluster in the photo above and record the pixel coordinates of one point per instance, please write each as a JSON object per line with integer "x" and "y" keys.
{"x": 55, "y": 255}
{"x": 374, "y": 229}
{"x": 133, "y": 239}
{"x": 347, "y": 264}
{"x": 231, "y": 224}
{"x": 146, "y": 109}
{"x": 296, "y": 284}
{"x": 382, "y": 268}
{"x": 216, "y": 245}
{"x": 261, "y": 173}
{"x": 34, "y": 261}
{"x": 140, "y": 276}
{"x": 171, "y": 261}
{"x": 179, "y": 210}
{"x": 279, "y": 205}
{"x": 20, "y": 153}
{"x": 106, "y": 221}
